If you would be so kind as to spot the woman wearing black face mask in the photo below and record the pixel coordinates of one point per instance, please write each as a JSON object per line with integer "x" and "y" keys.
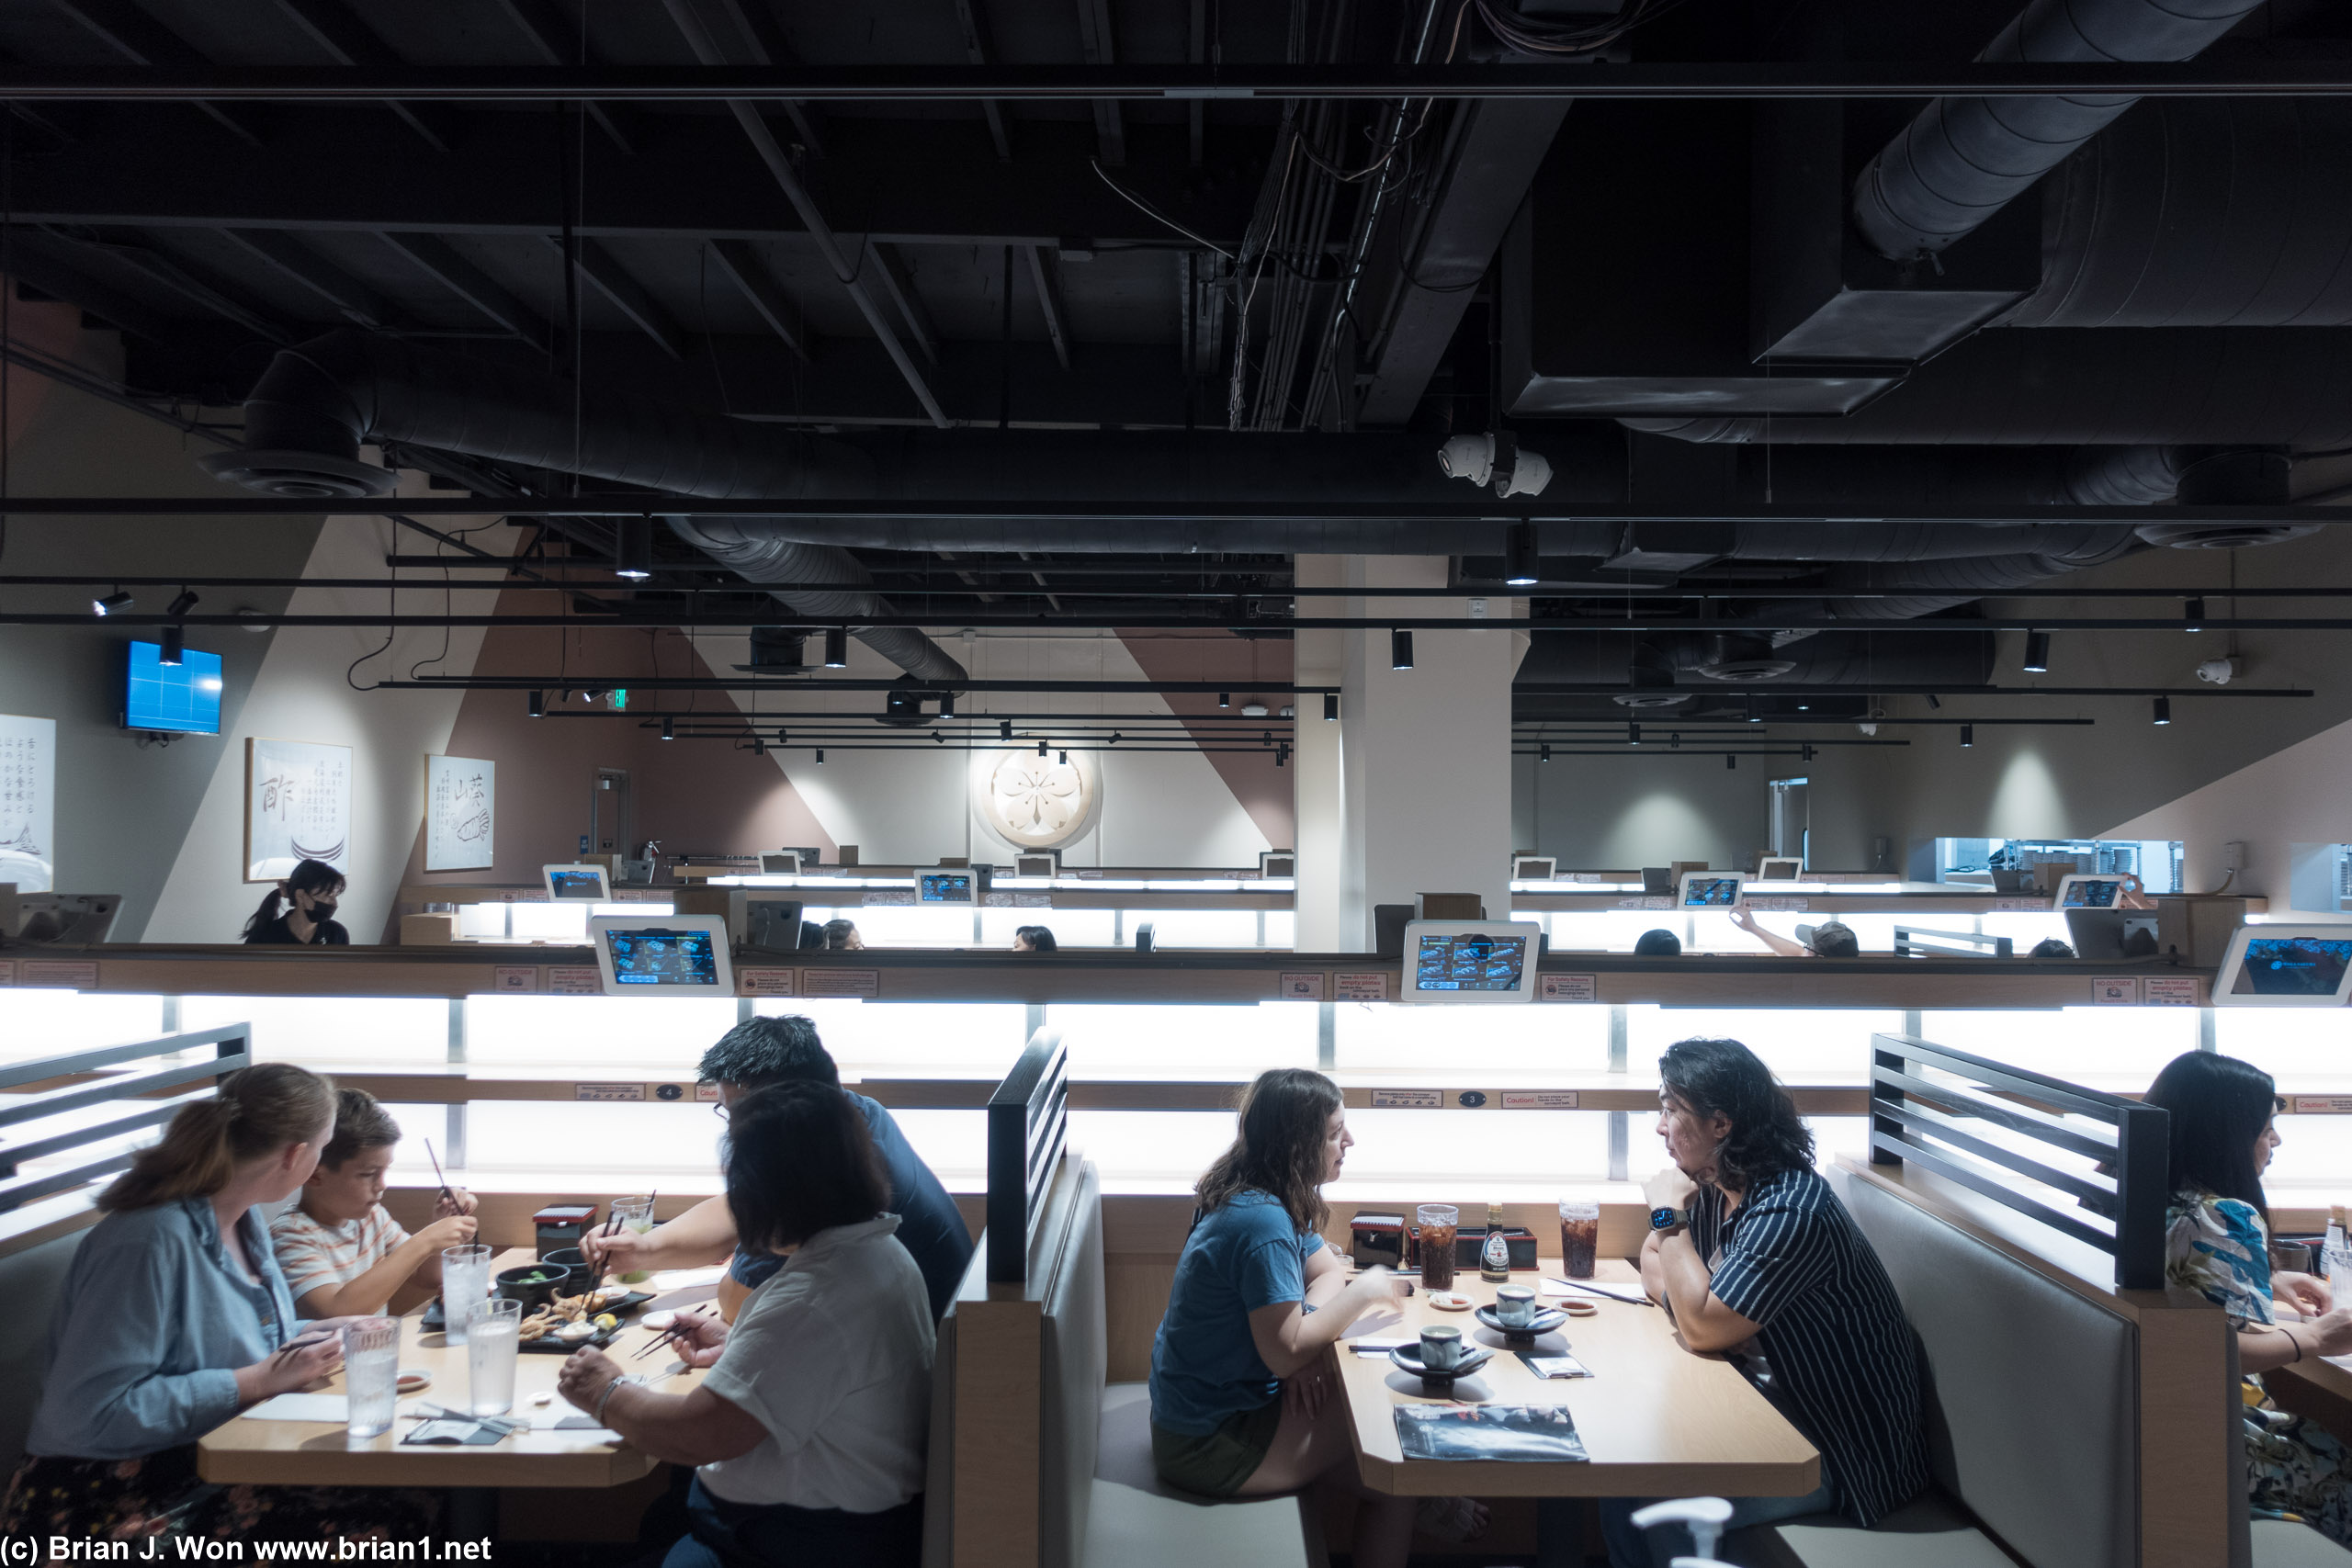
{"x": 308, "y": 895}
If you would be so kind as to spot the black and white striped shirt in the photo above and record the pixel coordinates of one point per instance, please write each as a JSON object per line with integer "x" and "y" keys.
{"x": 1845, "y": 1365}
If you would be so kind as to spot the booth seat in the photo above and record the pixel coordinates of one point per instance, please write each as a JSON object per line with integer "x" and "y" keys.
{"x": 2073, "y": 1424}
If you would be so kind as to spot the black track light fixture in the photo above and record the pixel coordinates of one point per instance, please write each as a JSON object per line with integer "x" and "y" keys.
{"x": 1753, "y": 717}
{"x": 1544, "y": 752}
{"x": 539, "y": 705}
{"x": 181, "y": 605}
{"x": 633, "y": 548}
{"x": 1633, "y": 735}
{"x": 1040, "y": 746}
{"x": 1330, "y": 706}
{"x": 1731, "y": 760}
{"x": 2037, "y": 653}
{"x": 112, "y": 605}
{"x": 173, "y": 646}
{"x": 947, "y": 705}
{"x": 1521, "y": 556}
{"x": 1225, "y": 699}
{"x": 2192, "y": 614}
{"x": 1400, "y": 650}
{"x": 820, "y": 756}
{"x": 668, "y": 729}
{"x": 1004, "y": 729}
{"x": 1282, "y": 754}
{"x": 1968, "y": 735}
{"x": 1934, "y": 701}
{"x": 2163, "y": 711}
{"x": 1063, "y": 758}
{"x": 837, "y": 648}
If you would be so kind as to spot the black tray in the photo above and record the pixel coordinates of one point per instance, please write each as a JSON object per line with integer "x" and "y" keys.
{"x": 432, "y": 1321}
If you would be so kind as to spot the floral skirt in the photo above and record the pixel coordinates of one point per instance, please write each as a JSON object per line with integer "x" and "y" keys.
{"x": 161, "y": 1495}
{"x": 2297, "y": 1468}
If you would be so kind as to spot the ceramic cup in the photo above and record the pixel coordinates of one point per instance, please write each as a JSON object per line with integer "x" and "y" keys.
{"x": 1440, "y": 1349}
{"x": 1514, "y": 1306}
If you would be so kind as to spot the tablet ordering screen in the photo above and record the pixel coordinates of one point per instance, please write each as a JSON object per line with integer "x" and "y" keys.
{"x": 1471, "y": 962}
{"x": 654, "y": 955}
{"x": 576, "y": 883}
{"x": 2292, "y": 967}
{"x": 1711, "y": 892}
{"x": 2097, "y": 892}
{"x": 946, "y": 886}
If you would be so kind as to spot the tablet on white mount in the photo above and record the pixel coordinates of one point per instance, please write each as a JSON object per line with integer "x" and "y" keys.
{"x": 1534, "y": 868}
{"x": 2274, "y": 966}
{"x": 1710, "y": 890}
{"x": 1772, "y": 868}
{"x": 2078, "y": 891}
{"x": 1470, "y": 961}
{"x": 584, "y": 882}
{"x": 662, "y": 955}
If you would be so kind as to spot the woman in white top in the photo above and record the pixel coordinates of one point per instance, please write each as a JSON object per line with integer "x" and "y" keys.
{"x": 809, "y": 1434}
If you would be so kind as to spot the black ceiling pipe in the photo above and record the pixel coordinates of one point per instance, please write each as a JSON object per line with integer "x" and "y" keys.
{"x": 1713, "y": 663}
{"x": 1962, "y": 160}
{"x": 315, "y": 405}
{"x": 2078, "y": 386}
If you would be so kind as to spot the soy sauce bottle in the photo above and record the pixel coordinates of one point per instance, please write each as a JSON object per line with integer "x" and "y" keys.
{"x": 1494, "y": 1253}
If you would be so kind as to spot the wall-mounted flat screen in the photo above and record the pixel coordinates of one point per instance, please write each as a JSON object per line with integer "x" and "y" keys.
{"x": 663, "y": 954}
{"x": 1711, "y": 889}
{"x": 175, "y": 699}
{"x": 586, "y": 882}
{"x": 2089, "y": 892}
{"x": 944, "y": 888}
{"x": 2281, "y": 966}
{"x": 1470, "y": 961}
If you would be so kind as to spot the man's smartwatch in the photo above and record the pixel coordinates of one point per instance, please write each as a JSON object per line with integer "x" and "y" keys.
{"x": 1669, "y": 1219}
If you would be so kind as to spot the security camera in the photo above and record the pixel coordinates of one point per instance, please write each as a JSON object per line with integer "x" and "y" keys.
{"x": 2218, "y": 671}
{"x": 1494, "y": 457}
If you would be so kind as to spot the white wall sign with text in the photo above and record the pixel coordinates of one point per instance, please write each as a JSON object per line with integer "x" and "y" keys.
{"x": 28, "y": 803}
{"x": 460, "y": 807}
{"x": 298, "y": 807}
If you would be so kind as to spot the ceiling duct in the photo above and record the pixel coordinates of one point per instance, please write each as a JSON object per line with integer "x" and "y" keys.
{"x": 1962, "y": 160}
{"x": 1958, "y": 657}
{"x": 1736, "y": 657}
{"x": 318, "y": 401}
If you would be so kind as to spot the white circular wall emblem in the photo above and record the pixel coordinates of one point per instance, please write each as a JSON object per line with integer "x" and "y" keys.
{"x": 1038, "y": 802}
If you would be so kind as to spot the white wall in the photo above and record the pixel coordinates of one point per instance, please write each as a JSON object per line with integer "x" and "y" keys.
{"x": 911, "y": 804}
{"x": 2295, "y": 796}
{"x": 302, "y": 693}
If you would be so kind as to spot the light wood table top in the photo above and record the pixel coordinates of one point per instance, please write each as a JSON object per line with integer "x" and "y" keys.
{"x": 318, "y": 1453}
{"x": 1657, "y": 1420}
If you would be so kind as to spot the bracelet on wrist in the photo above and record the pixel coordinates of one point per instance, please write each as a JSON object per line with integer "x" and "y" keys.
{"x": 607, "y": 1397}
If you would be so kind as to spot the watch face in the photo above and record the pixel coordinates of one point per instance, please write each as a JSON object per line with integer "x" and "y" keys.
{"x": 1662, "y": 1219}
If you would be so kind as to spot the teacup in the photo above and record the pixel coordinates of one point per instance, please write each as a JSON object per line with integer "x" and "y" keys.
{"x": 1440, "y": 1349}
{"x": 1514, "y": 1306}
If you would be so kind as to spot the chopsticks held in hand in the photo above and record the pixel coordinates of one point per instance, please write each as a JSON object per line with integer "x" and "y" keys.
{"x": 679, "y": 1333}
{"x": 437, "y": 1174}
{"x": 597, "y": 1280}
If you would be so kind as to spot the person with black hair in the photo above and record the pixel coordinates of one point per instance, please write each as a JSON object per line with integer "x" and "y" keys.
{"x": 309, "y": 894}
{"x": 2217, "y": 1249}
{"x": 1754, "y": 1256}
{"x": 1658, "y": 944}
{"x": 2050, "y": 947}
{"x": 1034, "y": 939}
{"x": 752, "y": 1055}
{"x": 1830, "y": 938}
{"x": 809, "y": 1435}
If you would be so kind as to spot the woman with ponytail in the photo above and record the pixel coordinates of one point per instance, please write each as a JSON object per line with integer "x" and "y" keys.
{"x": 173, "y": 1319}
{"x": 308, "y": 894}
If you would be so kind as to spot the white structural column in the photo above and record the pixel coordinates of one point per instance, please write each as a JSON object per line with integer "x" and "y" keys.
{"x": 1422, "y": 756}
{"x": 1317, "y": 785}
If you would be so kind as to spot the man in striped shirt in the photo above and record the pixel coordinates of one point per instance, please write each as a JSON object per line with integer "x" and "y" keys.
{"x": 1755, "y": 1258}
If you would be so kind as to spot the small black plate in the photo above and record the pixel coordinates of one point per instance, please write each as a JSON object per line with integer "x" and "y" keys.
{"x": 1546, "y": 1320}
{"x": 431, "y": 1321}
{"x": 1473, "y": 1358}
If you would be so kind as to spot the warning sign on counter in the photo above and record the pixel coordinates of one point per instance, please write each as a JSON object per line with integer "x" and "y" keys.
{"x": 842, "y": 983}
{"x": 2116, "y": 990}
{"x": 1300, "y": 986}
{"x": 1539, "y": 1099}
{"x": 516, "y": 979}
{"x": 82, "y": 974}
{"x": 1568, "y": 987}
{"x": 568, "y": 980}
{"x": 1409, "y": 1098}
{"x": 2321, "y": 1104}
{"x": 2168, "y": 990}
{"x": 1775, "y": 905}
{"x": 1372, "y": 986}
{"x": 609, "y": 1092}
{"x": 763, "y": 983}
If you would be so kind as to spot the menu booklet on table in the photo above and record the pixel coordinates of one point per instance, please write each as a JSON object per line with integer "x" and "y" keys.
{"x": 1529, "y": 1433}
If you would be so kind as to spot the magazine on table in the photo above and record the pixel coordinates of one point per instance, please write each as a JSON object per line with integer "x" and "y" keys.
{"x": 1529, "y": 1433}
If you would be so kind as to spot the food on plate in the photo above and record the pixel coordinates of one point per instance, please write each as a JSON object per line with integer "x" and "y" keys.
{"x": 575, "y": 1333}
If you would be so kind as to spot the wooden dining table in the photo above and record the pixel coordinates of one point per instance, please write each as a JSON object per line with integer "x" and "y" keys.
{"x": 318, "y": 1453}
{"x": 1657, "y": 1419}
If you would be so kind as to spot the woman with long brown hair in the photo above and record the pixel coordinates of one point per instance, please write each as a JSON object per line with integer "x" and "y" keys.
{"x": 1242, "y": 1403}
{"x": 174, "y": 1318}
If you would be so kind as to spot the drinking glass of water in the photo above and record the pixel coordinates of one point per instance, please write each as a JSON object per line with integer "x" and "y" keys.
{"x": 371, "y": 1374}
{"x": 491, "y": 1327}
{"x": 634, "y": 1215}
{"x": 465, "y": 1279}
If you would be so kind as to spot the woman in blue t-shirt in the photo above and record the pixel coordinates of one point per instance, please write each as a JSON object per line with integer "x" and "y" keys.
{"x": 1241, "y": 1398}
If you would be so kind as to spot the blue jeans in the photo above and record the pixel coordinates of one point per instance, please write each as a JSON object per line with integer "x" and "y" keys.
{"x": 1631, "y": 1547}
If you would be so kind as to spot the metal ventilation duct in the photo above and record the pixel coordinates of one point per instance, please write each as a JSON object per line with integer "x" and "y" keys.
{"x": 1964, "y": 159}
{"x": 314, "y": 405}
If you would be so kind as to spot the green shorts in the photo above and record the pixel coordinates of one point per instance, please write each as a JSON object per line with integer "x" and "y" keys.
{"x": 1216, "y": 1463}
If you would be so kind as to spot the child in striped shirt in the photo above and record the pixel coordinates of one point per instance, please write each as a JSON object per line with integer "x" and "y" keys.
{"x": 341, "y": 1253}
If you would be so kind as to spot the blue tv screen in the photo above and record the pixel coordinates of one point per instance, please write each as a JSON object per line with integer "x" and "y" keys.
{"x": 183, "y": 698}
